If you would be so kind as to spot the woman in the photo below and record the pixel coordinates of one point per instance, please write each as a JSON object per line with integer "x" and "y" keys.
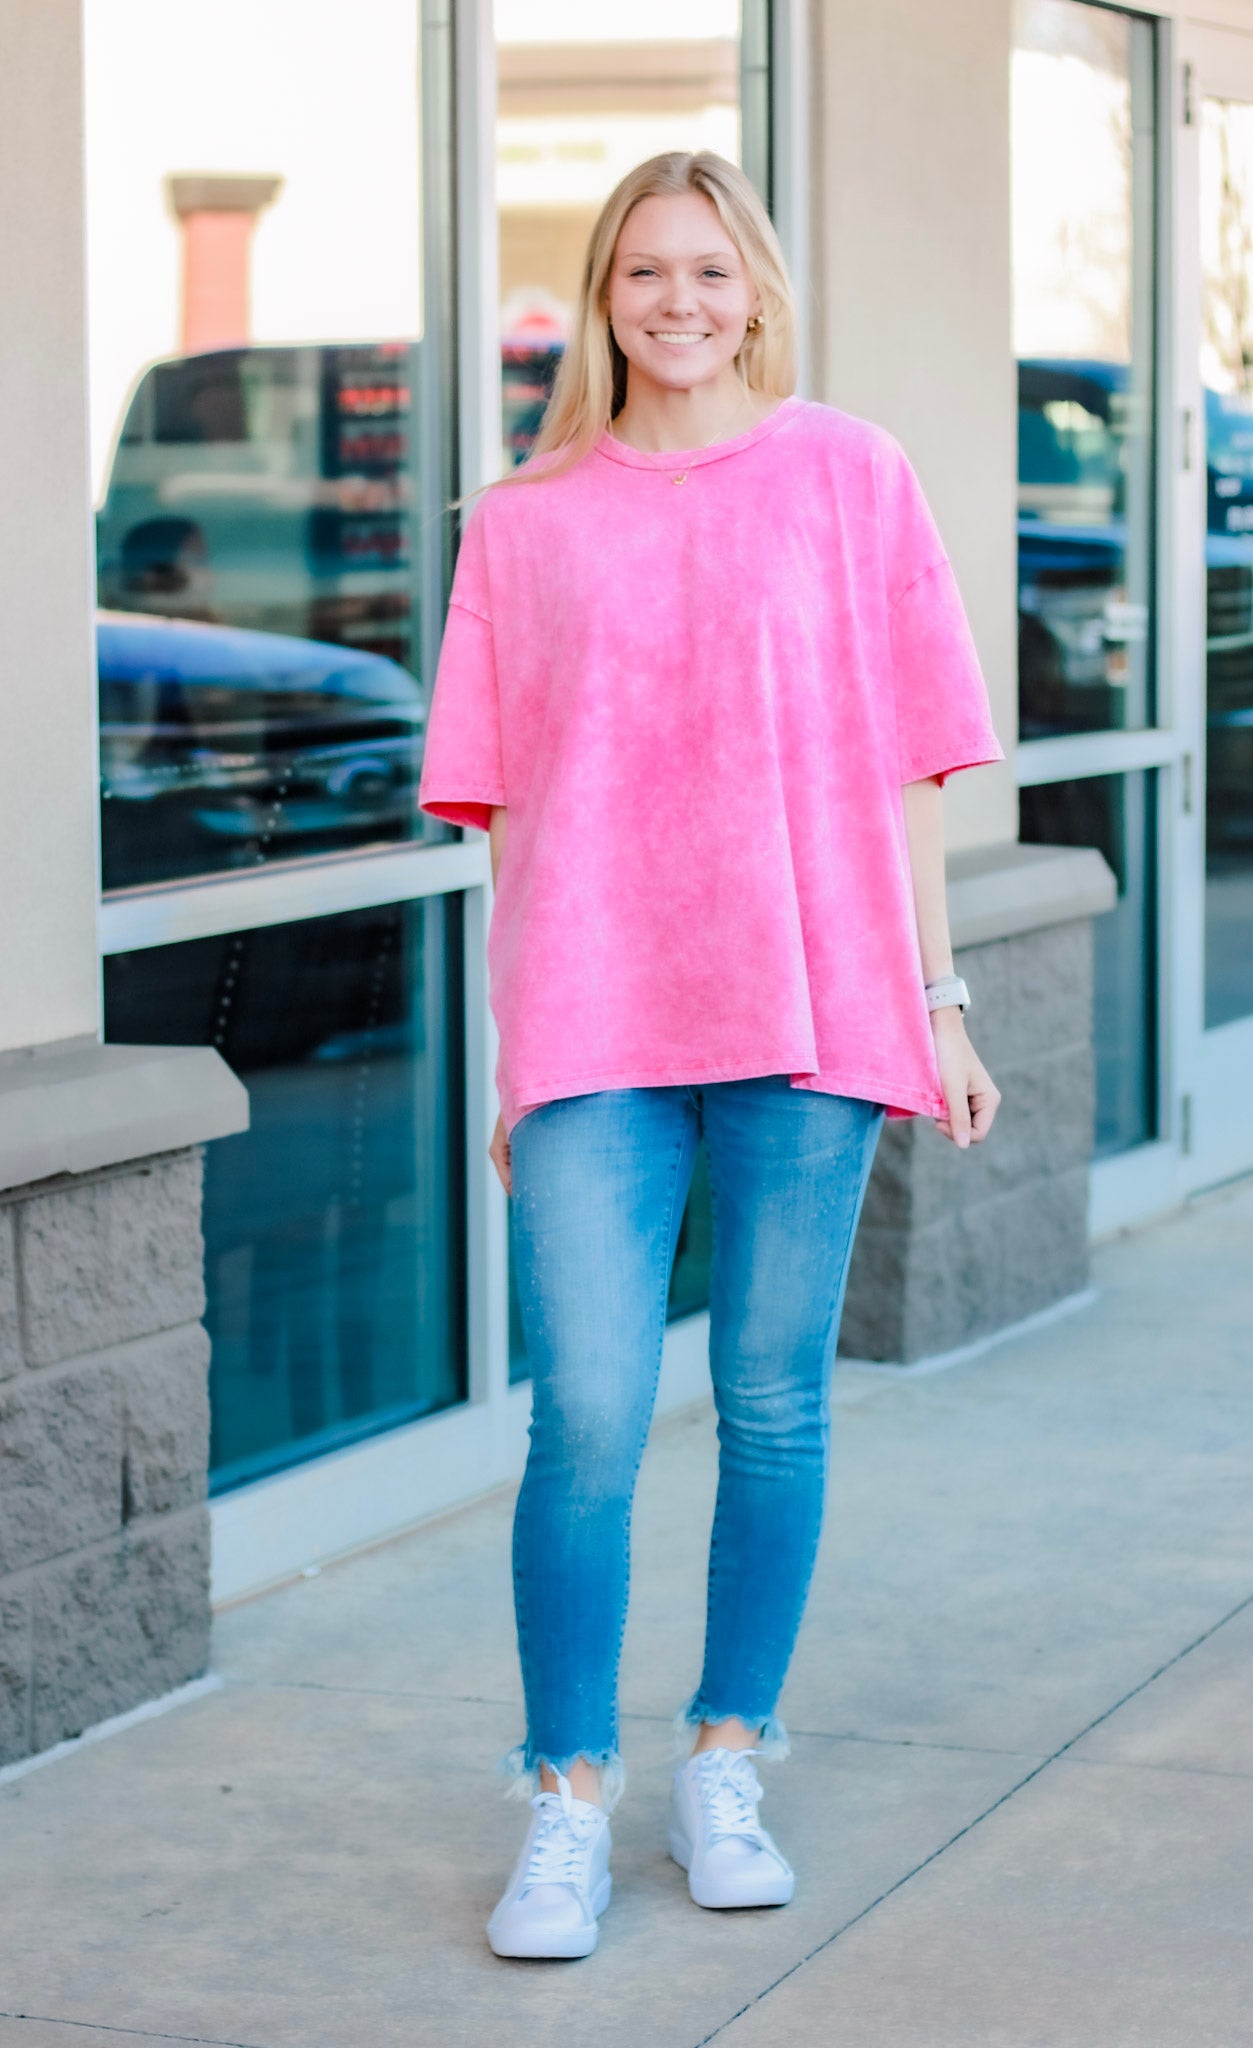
{"x": 704, "y": 672}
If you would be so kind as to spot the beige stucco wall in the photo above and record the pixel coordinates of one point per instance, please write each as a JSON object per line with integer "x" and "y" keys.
{"x": 48, "y": 971}
{"x": 911, "y": 304}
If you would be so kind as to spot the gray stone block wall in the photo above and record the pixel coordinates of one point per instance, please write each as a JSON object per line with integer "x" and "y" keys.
{"x": 104, "y": 1436}
{"x": 953, "y": 1245}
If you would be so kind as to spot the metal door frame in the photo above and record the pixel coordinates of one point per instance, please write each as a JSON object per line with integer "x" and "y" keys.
{"x": 1216, "y": 1099}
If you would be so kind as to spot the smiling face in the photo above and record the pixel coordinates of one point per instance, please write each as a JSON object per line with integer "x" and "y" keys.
{"x": 680, "y": 295}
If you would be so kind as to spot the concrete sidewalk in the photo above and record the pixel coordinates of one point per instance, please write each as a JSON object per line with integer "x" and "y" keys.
{"x": 1020, "y": 1799}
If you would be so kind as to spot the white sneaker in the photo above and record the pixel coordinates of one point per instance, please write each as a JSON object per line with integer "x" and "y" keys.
{"x": 560, "y": 1882}
{"x": 716, "y": 1836}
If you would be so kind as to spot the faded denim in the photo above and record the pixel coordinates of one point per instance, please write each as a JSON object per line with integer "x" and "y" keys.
{"x": 600, "y": 1182}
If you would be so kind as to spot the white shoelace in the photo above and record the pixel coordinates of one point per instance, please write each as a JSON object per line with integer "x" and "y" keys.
{"x": 729, "y": 1790}
{"x": 559, "y": 1850}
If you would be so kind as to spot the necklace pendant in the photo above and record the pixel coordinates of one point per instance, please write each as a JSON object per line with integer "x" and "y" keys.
{"x": 681, "y": 478}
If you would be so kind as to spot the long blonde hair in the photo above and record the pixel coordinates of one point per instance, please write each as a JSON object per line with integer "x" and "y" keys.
{"x": 590, "y": 386}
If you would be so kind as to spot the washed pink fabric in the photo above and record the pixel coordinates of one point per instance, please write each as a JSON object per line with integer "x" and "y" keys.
{"x": 698, "y": 681}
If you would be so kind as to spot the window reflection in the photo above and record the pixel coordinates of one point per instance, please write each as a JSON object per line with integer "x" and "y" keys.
{"x": 335, "y": 1225}
{"x": 1083, "y": 254}
{"x": 263, "y": 491}
{"x": 1227, "y": 376}
{"x": 222, "y": 748}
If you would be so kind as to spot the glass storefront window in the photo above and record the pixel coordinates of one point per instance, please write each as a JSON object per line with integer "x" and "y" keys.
{"x": 582, "y": 98}
{"x": 1227, "y": 379}
{"x": 265, "y": 473}
{"x": 334, "y": 1226}
{"x": 689, "y": 1282}
{"x": 1083, "y": 190}
{"x": 1115, "y": 814}
{"x": 272, "y": 365}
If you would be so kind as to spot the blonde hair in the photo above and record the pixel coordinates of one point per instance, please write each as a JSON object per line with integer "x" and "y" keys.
{"x": 590, "y": 386}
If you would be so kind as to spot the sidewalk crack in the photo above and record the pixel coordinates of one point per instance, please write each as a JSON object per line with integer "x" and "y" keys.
{"x": 969, "y": 1827}
{"x": 46, "y": 2019}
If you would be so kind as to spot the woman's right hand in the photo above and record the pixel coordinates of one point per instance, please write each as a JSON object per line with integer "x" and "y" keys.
{"x": 498, "y": 1153}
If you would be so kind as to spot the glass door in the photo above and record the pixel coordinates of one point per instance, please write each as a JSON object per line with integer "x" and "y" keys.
{"x": 1094, "y": 748}
{"x": 1216, "y": 595}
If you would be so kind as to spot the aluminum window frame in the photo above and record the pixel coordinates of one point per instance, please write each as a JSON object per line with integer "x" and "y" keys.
{"x": 1152, "y": 1179}
{"x": 1215, "y": 1127}
{"x": 1143, "y": 1181}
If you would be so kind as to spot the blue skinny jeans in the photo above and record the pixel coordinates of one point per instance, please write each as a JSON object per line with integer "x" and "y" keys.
{"x": 599, "y": 1186}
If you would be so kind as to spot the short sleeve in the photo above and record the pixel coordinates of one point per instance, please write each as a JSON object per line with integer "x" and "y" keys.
{"x": 943, "y": 719}
{"x": 462, "y": 763}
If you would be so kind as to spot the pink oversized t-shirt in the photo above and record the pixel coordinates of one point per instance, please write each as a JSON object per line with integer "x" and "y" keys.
{"x": 698, "y": 681}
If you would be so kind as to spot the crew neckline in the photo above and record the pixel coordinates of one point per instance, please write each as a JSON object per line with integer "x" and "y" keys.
{"x": 688, "y": 458}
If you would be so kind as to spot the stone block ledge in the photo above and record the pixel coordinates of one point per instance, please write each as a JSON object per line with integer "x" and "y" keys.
{"x": 104, "y": 1402}
{"x": 94, "y": 1632}
{"x": 954, "y": 1245}
{"x": 995, "y": 892}
{"x": 77, "y": 1106}
{"x": 138, "y": 1531}
{"x": 99, "y": 1261}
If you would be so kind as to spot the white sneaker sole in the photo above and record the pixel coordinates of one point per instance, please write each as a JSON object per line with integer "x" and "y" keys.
{"x": 538, "y": 1947}
{"x": 776, "y": 1891}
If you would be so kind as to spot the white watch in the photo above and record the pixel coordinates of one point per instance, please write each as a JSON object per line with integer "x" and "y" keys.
{"x": 943, "y": 995}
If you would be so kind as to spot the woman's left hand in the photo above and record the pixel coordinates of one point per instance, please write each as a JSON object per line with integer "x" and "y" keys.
{"x": 969, "y": 1090}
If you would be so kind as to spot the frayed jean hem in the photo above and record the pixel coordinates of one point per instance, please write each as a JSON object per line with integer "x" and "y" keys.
{"x": 772, "y": 1740}
{"x": 519, "y": 1767}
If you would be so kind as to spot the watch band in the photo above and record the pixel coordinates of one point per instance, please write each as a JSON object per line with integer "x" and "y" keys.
{"x": 950, "y": 991}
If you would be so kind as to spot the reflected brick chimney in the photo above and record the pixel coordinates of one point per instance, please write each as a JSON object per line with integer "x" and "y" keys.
{"x": 217, "y": 214}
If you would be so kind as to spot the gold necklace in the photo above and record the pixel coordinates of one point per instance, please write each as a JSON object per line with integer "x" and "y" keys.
{"x": 681, "y": 476}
